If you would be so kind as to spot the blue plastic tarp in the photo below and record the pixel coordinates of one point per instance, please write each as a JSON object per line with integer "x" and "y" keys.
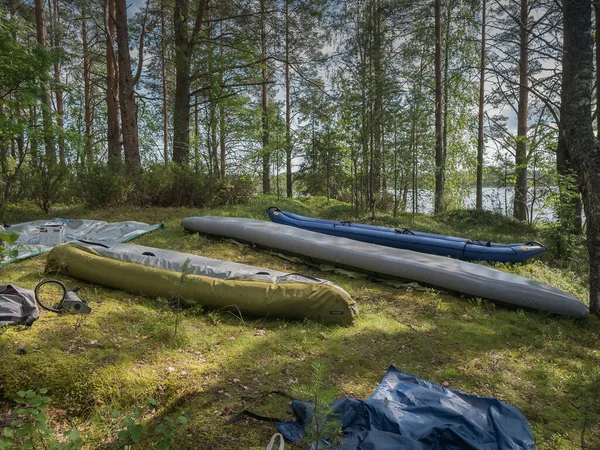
{"x": 409, "y": 413}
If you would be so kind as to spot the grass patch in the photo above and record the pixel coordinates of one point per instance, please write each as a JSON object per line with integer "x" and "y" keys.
{"x": 218, "y": 364}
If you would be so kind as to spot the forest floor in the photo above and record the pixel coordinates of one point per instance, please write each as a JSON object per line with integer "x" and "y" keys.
{"x": 218, "y": 364}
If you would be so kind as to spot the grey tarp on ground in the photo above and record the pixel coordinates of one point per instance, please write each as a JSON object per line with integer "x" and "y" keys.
{"x": 449, "y": 274}
{"x": 96, "y": 231}
{"x": 199, "y": 265}
{"x": 17, "y": 306}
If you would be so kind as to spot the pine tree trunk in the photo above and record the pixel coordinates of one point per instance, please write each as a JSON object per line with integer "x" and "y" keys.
{"x": 597, "y": 36}
{"x": 113, "y": 134}
{"x": 222, "y": 131}
{"x": 439, "y": 150}
{"x": 446, "y": 85}
{"x": 480, "y": 142}
{"x": 163, "y": 68}
{"x": 181, "y": 112}
{"x": 40, "y": 22}
{"x": 266, "y": 174}
{"x": 133, "y": 165}
{"x": 87, "y": 89}
{"x": 577, "y": 124}
{"x": 213, "y": 153}
{"x": 58, "y": 90}
{"x": 520, "y": 206}
{"x": 570, "y": 202}
{"x": 196, "y": 135}
{"x": 288, "y": 109}
{"x": 377, "y": 105}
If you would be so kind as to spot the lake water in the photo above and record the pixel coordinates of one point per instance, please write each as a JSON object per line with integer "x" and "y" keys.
{"x": 499, "y": 200}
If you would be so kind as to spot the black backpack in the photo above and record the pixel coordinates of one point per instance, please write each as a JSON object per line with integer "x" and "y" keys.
{"x": 17, "y": 306}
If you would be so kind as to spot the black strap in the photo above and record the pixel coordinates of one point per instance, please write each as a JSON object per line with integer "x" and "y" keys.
{"x": 342, "y": 223}
{"x": 465, "y": 246}
{"x": 403, "y": 231}
{"x": 245, "y": 412}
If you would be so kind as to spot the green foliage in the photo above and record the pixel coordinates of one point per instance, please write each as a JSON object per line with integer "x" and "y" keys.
{"x": 130, "y": 431}
{"x": 102, "y": 185}
{"x": 323, "y": 425}
{"x": 47, "y": 184}
{"x": 32, "y": 428}
{"x": 21, "y": 66}
{"x": 9, "y": 239}
{"x": 177, "y": 185}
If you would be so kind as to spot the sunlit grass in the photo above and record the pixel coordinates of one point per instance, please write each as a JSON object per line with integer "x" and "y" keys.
{"x": 218, "y": 364}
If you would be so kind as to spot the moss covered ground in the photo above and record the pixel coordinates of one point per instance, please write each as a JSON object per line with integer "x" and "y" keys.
{"x": 218, "y": 363}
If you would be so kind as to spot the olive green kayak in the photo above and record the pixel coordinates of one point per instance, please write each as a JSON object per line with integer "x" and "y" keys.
{"x": 209, "y": 282}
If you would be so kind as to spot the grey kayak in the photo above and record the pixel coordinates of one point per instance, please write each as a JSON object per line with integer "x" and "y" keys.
{"x": 461, "y": 277}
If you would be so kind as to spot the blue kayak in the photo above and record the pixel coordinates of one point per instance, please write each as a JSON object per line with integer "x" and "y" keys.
{"x": 436, "y": 244}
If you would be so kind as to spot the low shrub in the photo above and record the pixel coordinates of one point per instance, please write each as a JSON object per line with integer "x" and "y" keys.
{"x": 175, "y": 185}
{"x": 46, "y": 184}
{"x": 100, "y": 185}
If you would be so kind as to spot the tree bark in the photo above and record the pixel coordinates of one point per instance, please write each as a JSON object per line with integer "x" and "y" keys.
{"x": 133, "y": 165}
{"x": 40, "y": 22}
{"x": 288, "y": 109}
{"x": 163, "y": 67}
{"x": 480, "y": 143}
{"x": 181, "y": 113}
{"x": 597, "y": 17}
{"x": 449, "y": 5}
{"x": 222, "y": 121}
{"x": 58, "y": 92}
{"x": 87, "y": 89}
{"x": 184, "y": 48}
{"x": 113, "y": 132}
{"x": 377, "y": 106}
{"x": 577, "y": 121}
{"x": 439, "y": 150}
{"x": 570, "y": 201}
{"x": 520, "y": 205}
{"x": 266, "y": 174}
